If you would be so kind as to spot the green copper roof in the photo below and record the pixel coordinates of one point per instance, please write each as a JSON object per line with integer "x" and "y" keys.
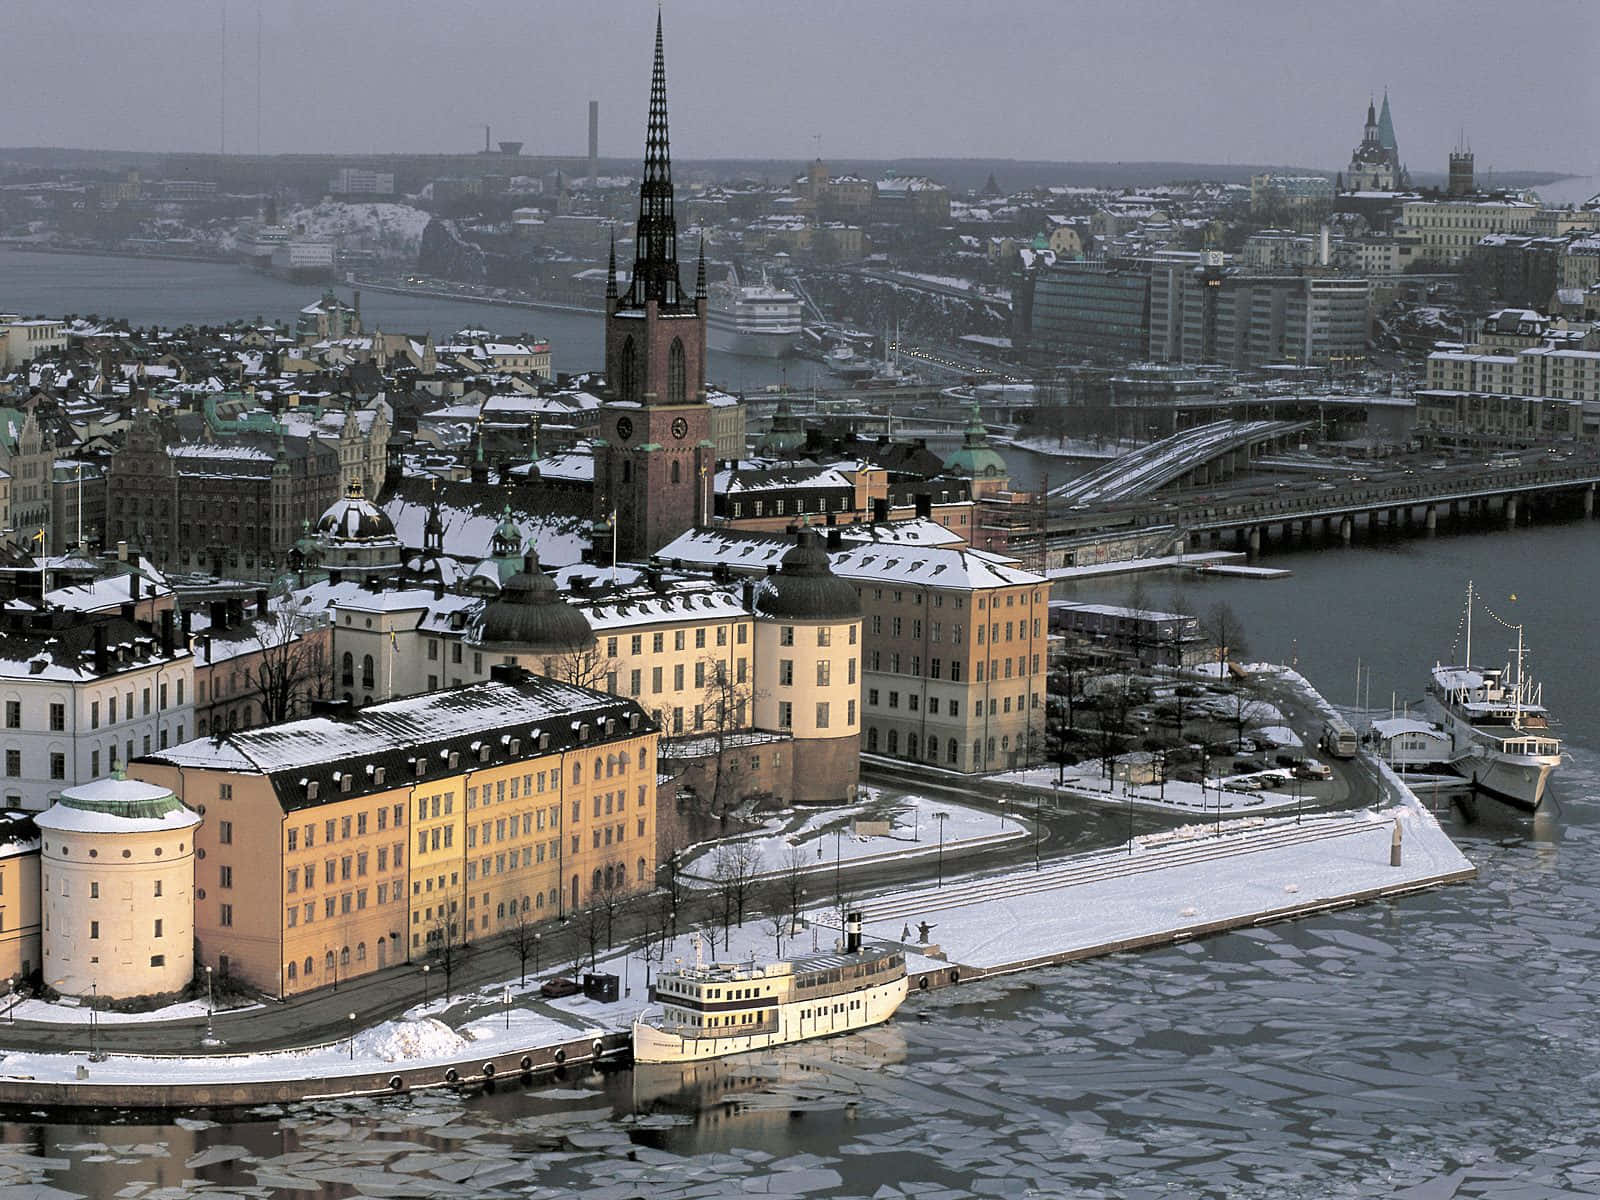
{"x": 976, "y": 459}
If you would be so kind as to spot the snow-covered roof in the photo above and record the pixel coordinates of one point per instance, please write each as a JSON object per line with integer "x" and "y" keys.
{"x": 388, "y": 745}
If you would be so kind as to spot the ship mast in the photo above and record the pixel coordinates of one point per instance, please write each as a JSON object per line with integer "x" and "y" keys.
{"x": 1468, "y": 663}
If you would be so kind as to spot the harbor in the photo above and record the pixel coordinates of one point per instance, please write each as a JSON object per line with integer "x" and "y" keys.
{"x": 1180, "y": 882}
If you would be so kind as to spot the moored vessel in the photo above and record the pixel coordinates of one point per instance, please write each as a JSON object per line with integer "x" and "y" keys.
{"x": 1498, "y": 727}
{"x": 709, "y": 1010}
{"x": 752, "y": 320}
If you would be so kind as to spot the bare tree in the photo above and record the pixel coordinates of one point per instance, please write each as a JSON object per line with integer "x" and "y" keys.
{"x": 733, "y": 874}
{"x": 778, "y": 925}
{"x": 1112, "y": 719}
{"x": 588, "y": 925}
{"x": 1225, "y": 632}
{"x": 1246, "y": 710}
{"x": 610, "y": 901}
{"x": 789, "y": 890}
{"x": 445, "y": 946}
{"x": 293, "y": 665}
{"x": 583, "y": 666}
{"x": 728, "y": 704}
{"x": 522, "y": 941}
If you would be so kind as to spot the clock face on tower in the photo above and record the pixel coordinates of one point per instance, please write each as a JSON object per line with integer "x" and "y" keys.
{"x": 680, "y": 428}
{"x": 624, "y": 428}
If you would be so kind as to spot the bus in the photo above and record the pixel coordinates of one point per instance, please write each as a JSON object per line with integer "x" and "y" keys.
{"x": 1338, "y": 738}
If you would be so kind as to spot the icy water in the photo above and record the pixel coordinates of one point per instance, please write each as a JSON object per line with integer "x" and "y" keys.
{"x": 1443, "y": 1045}
{"x": 171, "y": 293}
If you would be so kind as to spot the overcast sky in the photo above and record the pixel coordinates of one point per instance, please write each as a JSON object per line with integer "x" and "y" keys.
{"x": 1281, "y": 81}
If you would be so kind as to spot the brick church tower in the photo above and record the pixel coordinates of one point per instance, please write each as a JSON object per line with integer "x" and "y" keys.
{"x": 655, "y": 459}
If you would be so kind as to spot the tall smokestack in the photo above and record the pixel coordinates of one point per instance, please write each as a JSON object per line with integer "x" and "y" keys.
{"x": 594, "y": 141}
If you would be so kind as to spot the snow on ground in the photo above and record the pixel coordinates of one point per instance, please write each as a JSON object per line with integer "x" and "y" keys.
{"x": 378, "y": 226}
{"x": 46, "y": 1012}
{"x": 1087, "y": 781}
{"x": 1282, "y": 735}
{"x": 1008, "y": 929}
{"x": 827, "y": 837}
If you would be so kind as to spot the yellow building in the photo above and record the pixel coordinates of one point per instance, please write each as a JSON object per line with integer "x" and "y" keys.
{"x": 19, "y": 895}
{"x": 118, "y": 875}
{"x": 333, "y": 848}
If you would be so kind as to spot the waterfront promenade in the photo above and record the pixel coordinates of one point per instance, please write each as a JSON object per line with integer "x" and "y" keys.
{"x": 1162, "y": 887}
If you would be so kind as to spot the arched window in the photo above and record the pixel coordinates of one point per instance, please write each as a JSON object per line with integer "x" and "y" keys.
{"x": 894, "y": 741}
{"x": 344, "y": 956}
{"x": 955, "y": 750}
{"x": 911, "y": 745}
{"x": 538, "y": 900}
{"x": 675, "y": 374}
{"x": 599, "y": 767}
{"x": 628, "y": 371}
{"x": 294, "y": 970}
{"x": 599, "y": 880}
{"x": 309, "y": 967}
{"x": 611, "y": 878}
{"x": 327, "y": 964}
{"x": 368, "y": 671}
{"x": 641, "y": 869}
{"x": 977, "y": 752}
{"x": 677, "y": 476}
{"x": 500, "y": 911}
{"x": 577, "y": 772}
{"x": 361, "y": 952}
{"x": 574, "y": 891}
{"x": 872, "y": 737}
{"x": 347, "y": 669}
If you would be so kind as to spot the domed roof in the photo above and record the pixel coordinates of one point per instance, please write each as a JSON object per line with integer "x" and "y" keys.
{"x": 529, "y": 614}
{"x": 354, "y": 518}
{"x": 805, "y": 587}
{"x": 117, "y": 805}
{"x": 976, "y": 459}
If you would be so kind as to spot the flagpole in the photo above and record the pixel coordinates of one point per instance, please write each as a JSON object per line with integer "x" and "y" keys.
{"x": 613, "y": 547}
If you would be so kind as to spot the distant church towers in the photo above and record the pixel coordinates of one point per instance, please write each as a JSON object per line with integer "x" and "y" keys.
{"x": 655, "y": 460}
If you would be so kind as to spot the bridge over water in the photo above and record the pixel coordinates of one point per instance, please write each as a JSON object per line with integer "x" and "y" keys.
{"x": 1405, "y": 498}
{"x": 1206, "y": 453}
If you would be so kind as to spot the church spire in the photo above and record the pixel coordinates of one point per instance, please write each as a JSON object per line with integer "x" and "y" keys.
{"x": 700, "y": 271}
{"x": 611, "y": 269}
{"x": 655, "y": 270}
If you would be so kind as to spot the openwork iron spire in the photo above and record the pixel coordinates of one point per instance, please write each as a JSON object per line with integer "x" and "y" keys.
{"x": 655, "y": 268}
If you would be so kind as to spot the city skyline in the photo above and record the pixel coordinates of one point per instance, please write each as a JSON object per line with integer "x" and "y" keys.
{"x": 1264, "y": 84}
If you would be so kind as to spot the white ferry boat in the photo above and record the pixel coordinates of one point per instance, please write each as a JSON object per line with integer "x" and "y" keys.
{"x": 754, "y": 320}
{"x": 1498, "y": 727}
{"x": 728, "y": 1008}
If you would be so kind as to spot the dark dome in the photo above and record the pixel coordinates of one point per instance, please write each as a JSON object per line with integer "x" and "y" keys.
{"x": 354, "y": 518}
{"x": 805, "y": 587}
{"x": 529, "y": 614}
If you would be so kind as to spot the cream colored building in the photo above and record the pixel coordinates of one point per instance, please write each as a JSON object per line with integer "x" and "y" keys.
{"x": 117, "y": 885}
{"x": 1449, "y": 229}
{"x": 19, "y": 895}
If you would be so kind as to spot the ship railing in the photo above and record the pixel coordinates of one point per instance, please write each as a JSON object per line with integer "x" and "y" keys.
{"x": 683, "y": 1029}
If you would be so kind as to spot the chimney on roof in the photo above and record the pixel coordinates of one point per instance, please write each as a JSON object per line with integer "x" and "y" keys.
{"x": 261, "y": 603}
{"x": 835, "y": 539}
{"x": 749, "y": 594}
{"x": 335, "y": 575}
{"x": 925, "y": 505}
{"x": 102, "y": 656}
{"x": 127, "y": 610}
{"x": 168, "y": 633}
{"x": 772, "y": 569}
{"x": 880, "y": 510}
{"x": 219, "y": 614}
{"x": 122, "y": 551}
{"x": 185, "y": 624}
{"x": 133, "y": 587}
{"x": 235, "y": 611}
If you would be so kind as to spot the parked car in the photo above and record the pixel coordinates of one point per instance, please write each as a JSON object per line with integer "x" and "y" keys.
{"x": 554, "y": 989}
{"x": 1312, "y": 769}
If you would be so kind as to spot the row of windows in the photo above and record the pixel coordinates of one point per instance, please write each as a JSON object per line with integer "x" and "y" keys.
{"x": 658, "y": 640}
{"x": 890, "y": 743}
{"x": 351, "y": 824}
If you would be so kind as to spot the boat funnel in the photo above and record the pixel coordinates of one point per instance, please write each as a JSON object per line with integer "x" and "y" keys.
{"x": 852, "y": 933}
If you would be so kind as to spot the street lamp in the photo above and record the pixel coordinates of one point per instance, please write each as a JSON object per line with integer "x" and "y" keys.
{"x": 941, "y": 817}
{"x": 506, "y": 996}
{"x": 426, "y": 967}
{"x": 1038, "y": 804}
{"x": 536, "y": 939}
{"x": 838, "y": 857}
{"x": 209, "y": 1005}
{"x": 352, "y": 1037}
